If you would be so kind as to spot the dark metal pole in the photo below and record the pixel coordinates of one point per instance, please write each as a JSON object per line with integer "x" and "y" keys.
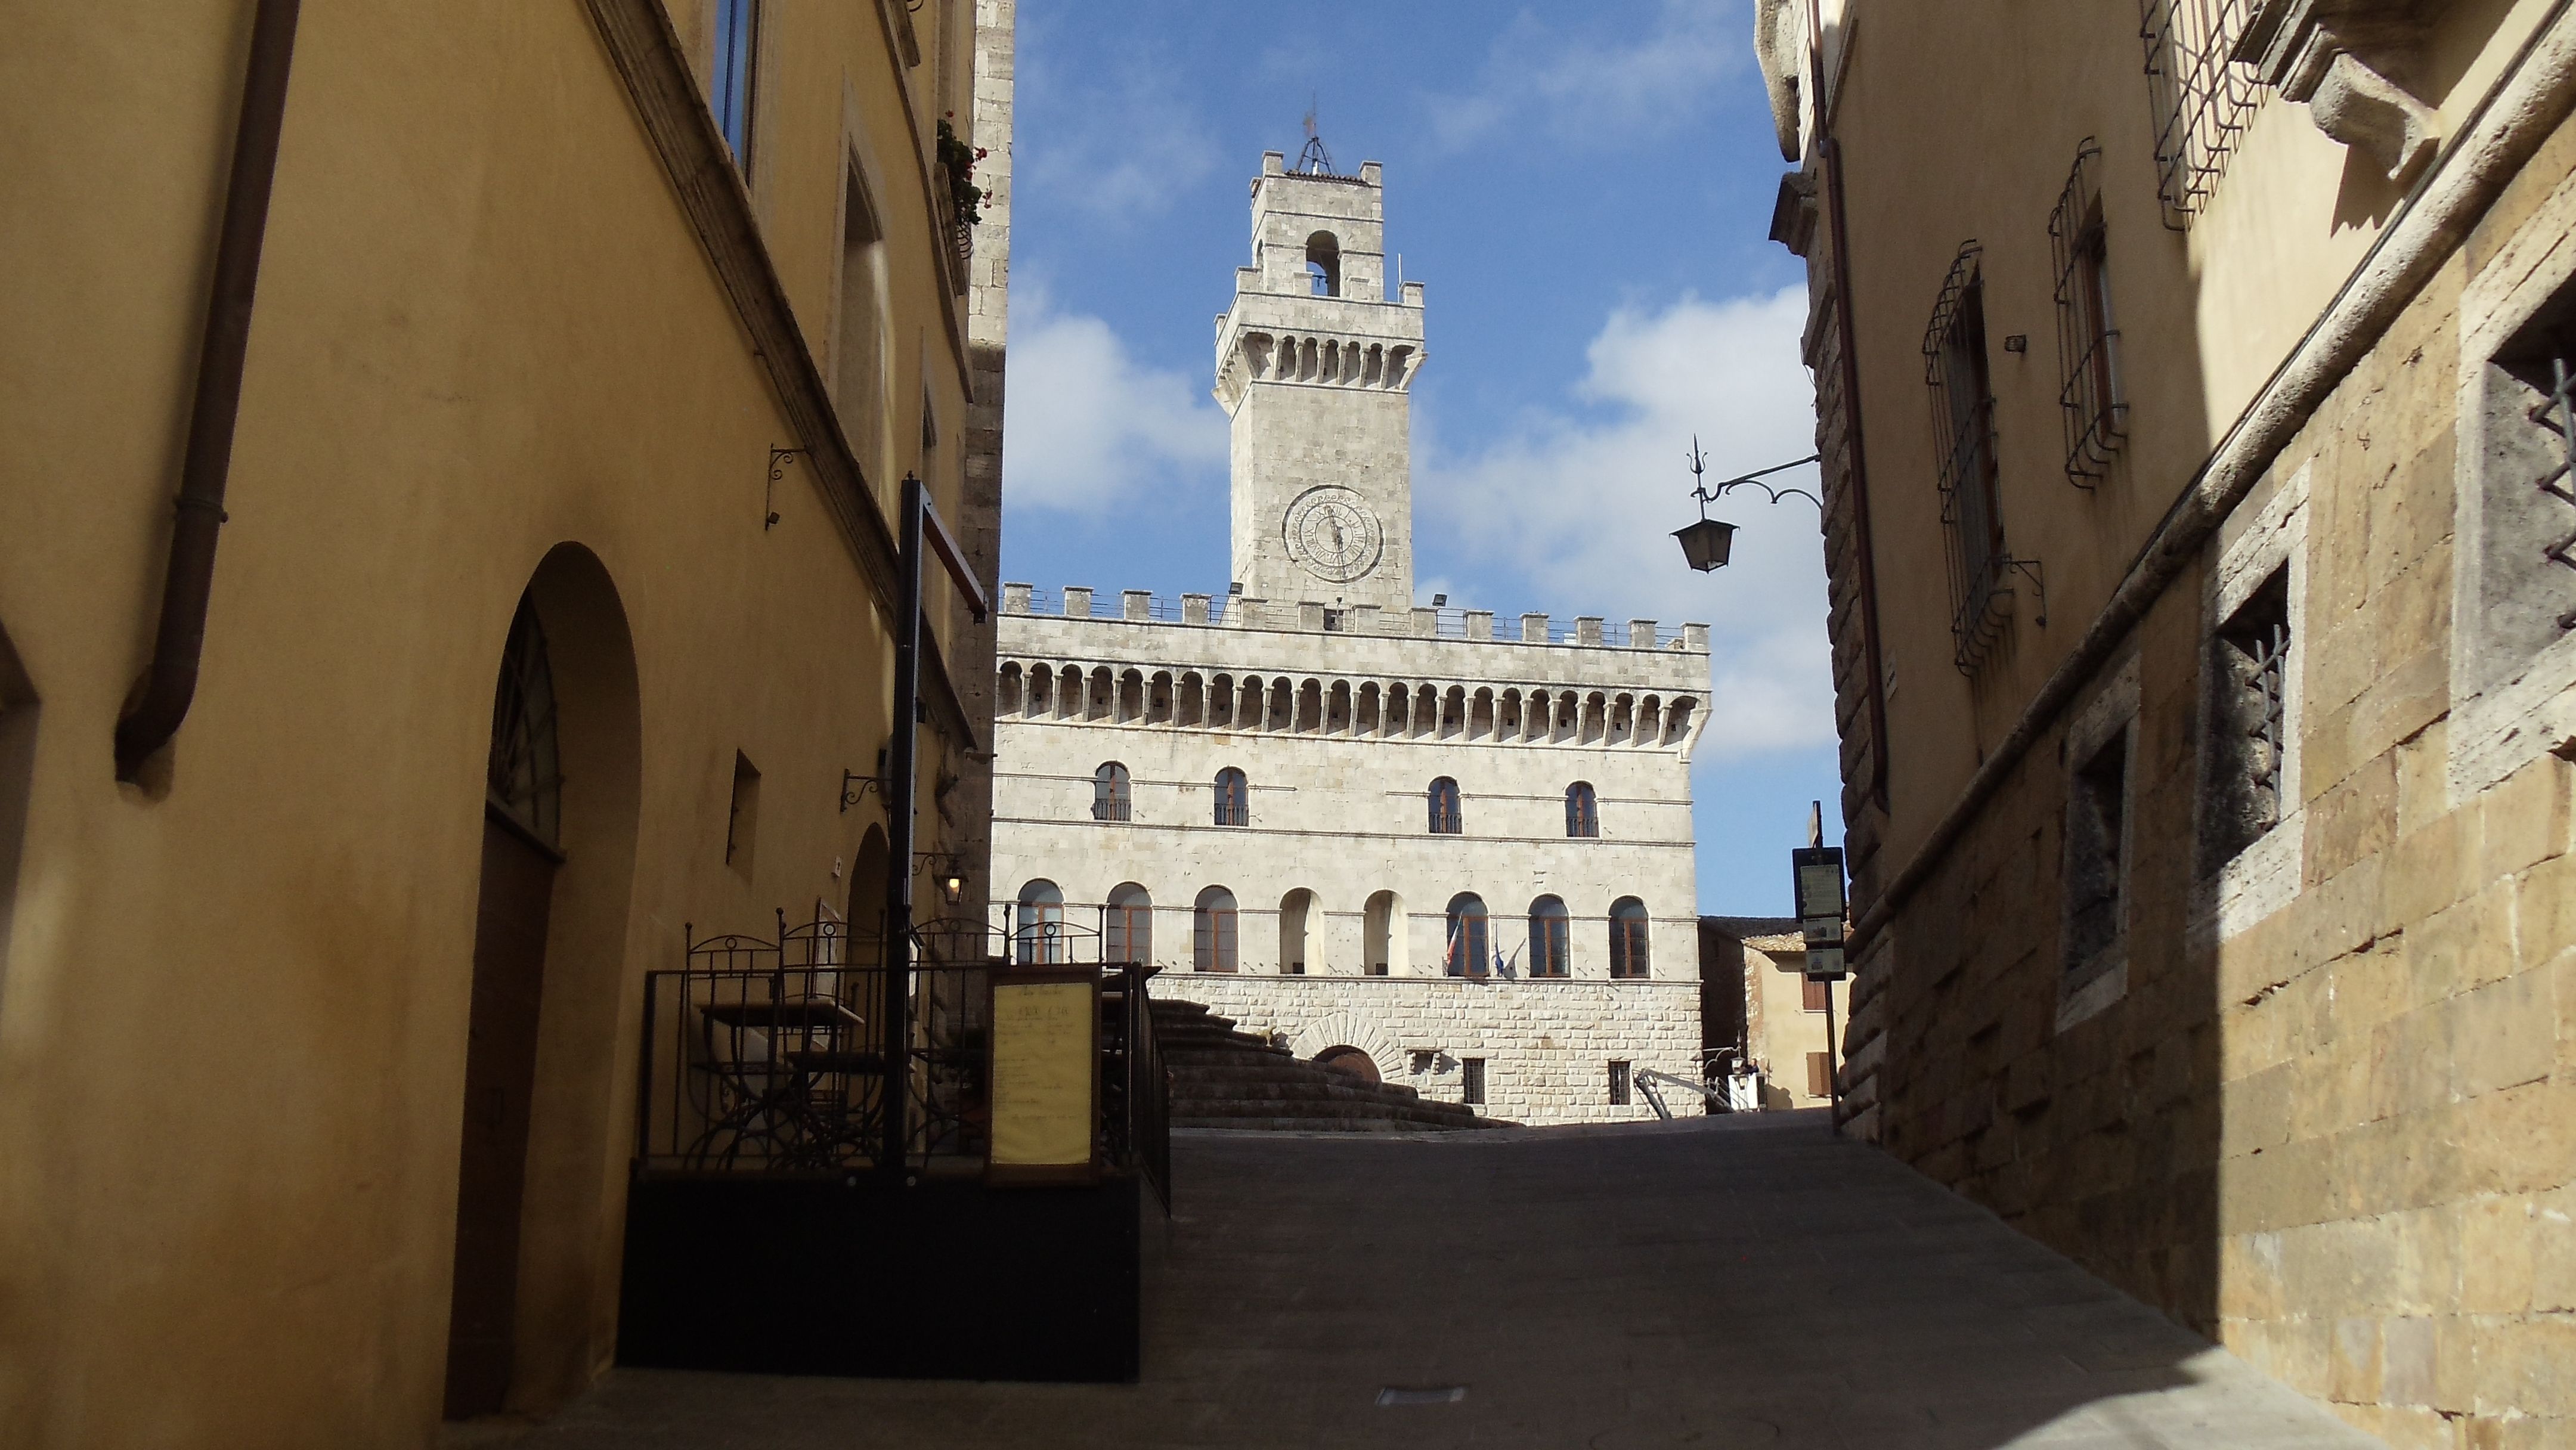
{"x": 1833, "y": 1075}
{"x": 170, "y": 681}
{"x": 902, "y": 772}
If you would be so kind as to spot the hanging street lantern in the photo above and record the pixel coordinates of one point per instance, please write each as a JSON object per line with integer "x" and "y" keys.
{"x": 1708, "y": 543}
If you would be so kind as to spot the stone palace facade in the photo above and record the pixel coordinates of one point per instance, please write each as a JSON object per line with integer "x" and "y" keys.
{"x": 1411, "y": 845}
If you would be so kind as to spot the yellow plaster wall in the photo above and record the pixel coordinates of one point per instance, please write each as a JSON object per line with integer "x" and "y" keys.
{"x": 232, "y": 1016}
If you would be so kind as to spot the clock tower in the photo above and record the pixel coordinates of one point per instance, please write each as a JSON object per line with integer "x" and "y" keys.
{"x": 1314, "y": 364}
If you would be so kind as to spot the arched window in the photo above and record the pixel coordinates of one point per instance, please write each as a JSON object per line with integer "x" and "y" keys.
{"x": 1382, "y": 934}
{"x": 1582, "y": 810}
{"x": 1233, "y": 798}
{"x": 1324, "y": 265}
{"x": 1551, "y": 942}
{"x": 1039, "y": 937}
{"x": 1129, "y": 930}
{"x": 1628, "y": 956}
{"x": 1444, "y": 807}
{"x": 1212, "y": 938}
{"x": 1109, "y": 800}
{"x": 1470, "y": 952}
{"x": 1296, "y": 915}
{"x": 521, "y": 776}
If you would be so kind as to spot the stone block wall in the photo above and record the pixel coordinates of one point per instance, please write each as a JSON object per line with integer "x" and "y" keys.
{"x": 1547, "y": 1046}
{"x": 2328, "y": 1117}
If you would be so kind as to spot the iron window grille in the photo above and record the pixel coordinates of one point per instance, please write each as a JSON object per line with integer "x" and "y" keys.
{"x": 1233, "y": 804}
{"x": 1618, "y": 1084}
{"x": 1582, "y": 810}
{"x": 1110, "y": 798}
{"x": 2088, "y": 344}
{"x": 2251, "y": 719}
{"x": 2202, "y": 97}
{"x": 2557, "y": 413}
{"x": 1471, "y": 1081}
{"x": 1963, "y": 423}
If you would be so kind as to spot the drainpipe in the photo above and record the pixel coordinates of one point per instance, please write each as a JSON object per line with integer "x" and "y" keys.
{"x": 170, "y": 682}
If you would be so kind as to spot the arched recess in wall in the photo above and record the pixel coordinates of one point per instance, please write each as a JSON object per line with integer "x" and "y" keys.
{"x": 561, "y": 783}
{"x": 17, "y": 786}
{"x": 868, "y": 883}
{"x": 1382, "y": 935}
{"x": 1296, "y": 939}
{"x": 1324, "y": 264}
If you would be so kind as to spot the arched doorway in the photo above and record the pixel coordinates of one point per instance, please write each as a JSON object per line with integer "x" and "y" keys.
{"x": 536, "y": 1187}
{"x": 1349, "y": 1061}
{"x": 522, "y": 846}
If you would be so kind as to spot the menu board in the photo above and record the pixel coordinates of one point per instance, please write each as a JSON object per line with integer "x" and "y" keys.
{"x": 1045, "y": 1072}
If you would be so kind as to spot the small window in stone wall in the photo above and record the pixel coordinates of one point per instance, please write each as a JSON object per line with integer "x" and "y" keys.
{"x": 2526, "y": 556}
{"x": 2097, "y": 809}
{"x": 1471, "y": 1081}
{"x": 2249, "y": 669}
{"x": 1618, "y": 1084}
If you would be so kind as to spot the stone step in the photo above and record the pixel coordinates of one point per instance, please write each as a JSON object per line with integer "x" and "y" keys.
{"x": 1222, "y": 1077}
{"x": 1341, "y": 1113}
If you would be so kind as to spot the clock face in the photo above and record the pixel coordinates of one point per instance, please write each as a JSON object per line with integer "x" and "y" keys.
{"x": 1334, "y": 534}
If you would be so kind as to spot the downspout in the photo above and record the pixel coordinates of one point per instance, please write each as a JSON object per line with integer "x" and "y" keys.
{"x": 170, "y": 681}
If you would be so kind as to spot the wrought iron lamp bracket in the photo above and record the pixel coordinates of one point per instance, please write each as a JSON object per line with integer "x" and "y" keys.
{"x": 1707, "y": 493}
{"x": 2030, "y": 569}
{"x": 769, "y": 492}
{"x": 854, "y": 786}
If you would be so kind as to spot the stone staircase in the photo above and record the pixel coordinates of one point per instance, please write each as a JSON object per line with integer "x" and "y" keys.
{"x": 1222, "y": 1078}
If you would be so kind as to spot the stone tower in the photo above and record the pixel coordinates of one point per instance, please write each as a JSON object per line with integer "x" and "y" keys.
{"x": 1313, "y": 364}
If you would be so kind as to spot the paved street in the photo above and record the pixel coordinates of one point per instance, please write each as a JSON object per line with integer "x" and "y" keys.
{"x": 1711, "y": 1283}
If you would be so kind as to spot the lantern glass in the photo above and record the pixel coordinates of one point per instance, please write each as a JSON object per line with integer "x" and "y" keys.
{"x": 1706, "y": 543}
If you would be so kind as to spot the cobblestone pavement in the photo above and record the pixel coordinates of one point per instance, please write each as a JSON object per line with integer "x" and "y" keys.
{"x": 1710, "y": 1283}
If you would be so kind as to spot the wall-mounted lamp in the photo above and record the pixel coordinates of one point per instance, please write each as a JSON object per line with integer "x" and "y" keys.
{"x": 947, "y": 869}
{"x": 1708, "y": 543}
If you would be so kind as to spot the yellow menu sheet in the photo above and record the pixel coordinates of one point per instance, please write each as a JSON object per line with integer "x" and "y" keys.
{"x": 1042, "y": 1074}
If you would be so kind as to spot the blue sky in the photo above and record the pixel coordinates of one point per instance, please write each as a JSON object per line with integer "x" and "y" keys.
{"x": 1584, "y": 190}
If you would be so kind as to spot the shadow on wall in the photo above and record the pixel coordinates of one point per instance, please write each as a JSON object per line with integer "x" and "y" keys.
{"x": 17, "y": 778}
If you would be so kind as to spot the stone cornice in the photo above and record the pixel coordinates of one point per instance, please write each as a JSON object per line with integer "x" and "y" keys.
{"x": 646, "y": 53}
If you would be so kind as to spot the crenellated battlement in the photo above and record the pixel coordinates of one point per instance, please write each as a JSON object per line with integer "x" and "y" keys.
{"x": 1469, "y": 626}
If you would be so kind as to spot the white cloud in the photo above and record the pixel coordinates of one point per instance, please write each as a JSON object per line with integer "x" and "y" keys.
{"x": 1575, "y": 510}
{"x": 1538, "y": 81}
{"x": 1118, "y": 144}
{"x": 1087, "y": 425}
